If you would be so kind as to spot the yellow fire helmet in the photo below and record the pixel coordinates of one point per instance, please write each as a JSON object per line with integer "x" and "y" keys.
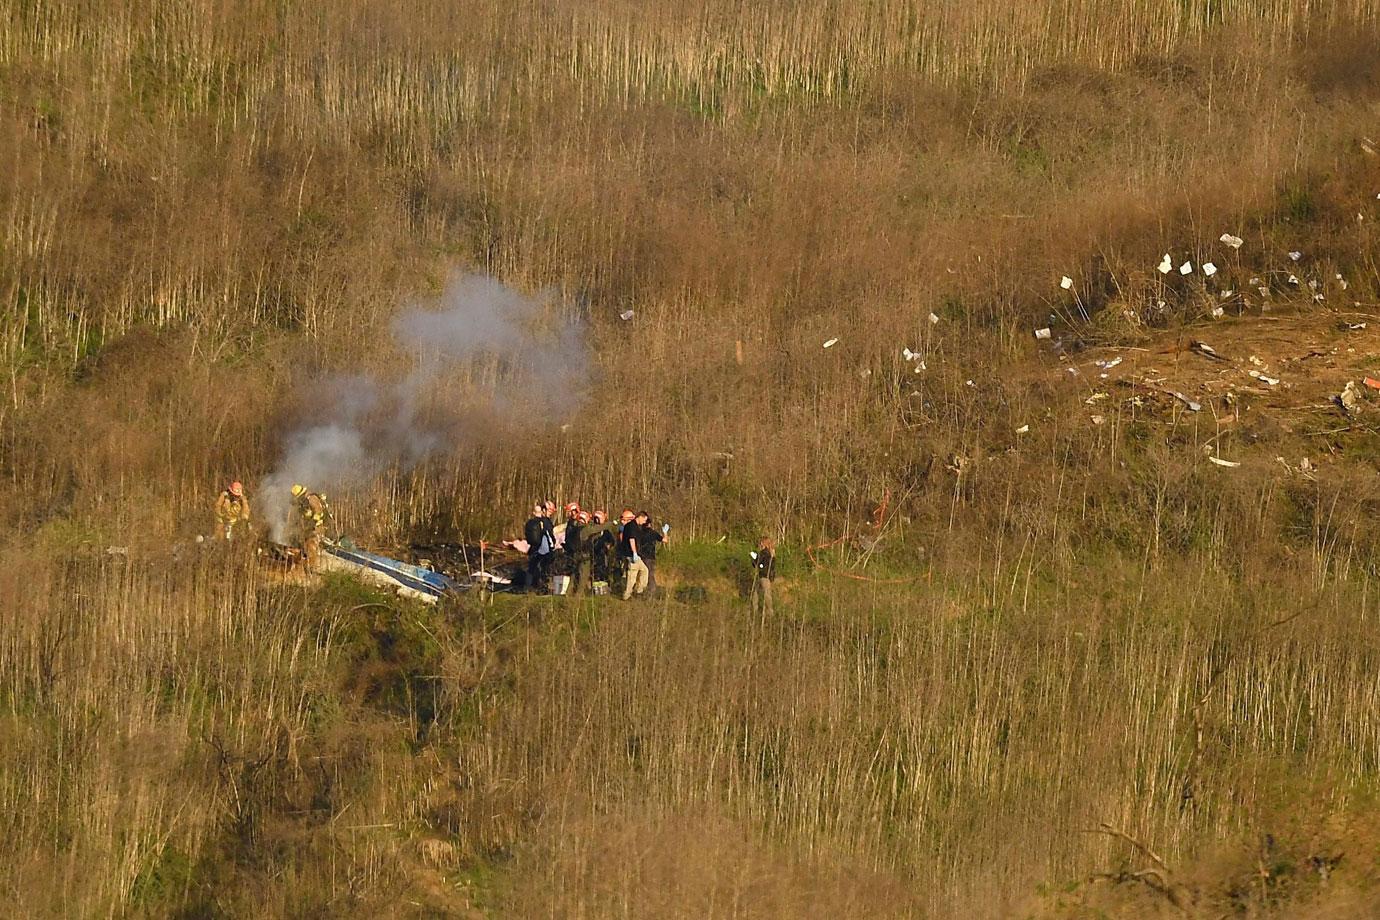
{"x": 298, "y": 488}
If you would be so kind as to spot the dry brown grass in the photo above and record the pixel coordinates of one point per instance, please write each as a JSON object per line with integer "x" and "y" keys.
{"x": 209, "y": 205}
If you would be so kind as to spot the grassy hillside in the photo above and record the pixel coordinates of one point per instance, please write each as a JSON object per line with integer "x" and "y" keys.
{"x": 213, "y": 211}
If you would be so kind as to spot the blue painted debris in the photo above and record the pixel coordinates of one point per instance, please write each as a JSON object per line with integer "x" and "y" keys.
{"x": 409, "y": 580}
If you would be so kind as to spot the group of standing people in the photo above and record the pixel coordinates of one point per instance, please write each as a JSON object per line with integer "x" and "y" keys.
{"x": 593, "y": 549}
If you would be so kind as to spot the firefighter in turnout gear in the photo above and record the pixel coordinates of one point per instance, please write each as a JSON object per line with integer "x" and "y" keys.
{"x": 232, "y": 509}
{"x": 311, "y": 511}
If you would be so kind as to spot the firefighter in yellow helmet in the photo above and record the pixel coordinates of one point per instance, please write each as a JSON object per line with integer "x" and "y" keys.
{"x": 311, "y": 511}
{"x": 232, "y": 509}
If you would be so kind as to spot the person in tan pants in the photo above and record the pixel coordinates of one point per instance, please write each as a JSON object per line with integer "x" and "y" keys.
{"x": 764, "y": 561}
{"x": 627, "y": 548}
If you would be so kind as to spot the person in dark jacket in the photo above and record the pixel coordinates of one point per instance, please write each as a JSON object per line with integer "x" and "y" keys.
{"x": 648, "y": 539}
{"x": 541, "y": 546}
{"x": 764, "y": 573}
{"x": 570, "y": 548}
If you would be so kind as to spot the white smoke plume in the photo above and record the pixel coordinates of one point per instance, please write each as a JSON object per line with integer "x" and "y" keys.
{"x": 481, "y": 352}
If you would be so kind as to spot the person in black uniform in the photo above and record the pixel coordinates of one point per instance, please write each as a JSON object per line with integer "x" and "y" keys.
{"x": 599, "y": 537}
{"x": 577, "y": 559}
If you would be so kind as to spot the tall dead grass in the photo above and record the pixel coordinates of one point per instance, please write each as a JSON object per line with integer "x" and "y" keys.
{"x": 949, "y": 756}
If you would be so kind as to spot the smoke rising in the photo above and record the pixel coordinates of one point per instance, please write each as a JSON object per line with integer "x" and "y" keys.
{"x": 480, "y": 356}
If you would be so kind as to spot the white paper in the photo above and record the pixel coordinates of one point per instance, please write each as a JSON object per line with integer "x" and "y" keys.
{"x": 1209, "y": 269}
{"x": 831, "y": 343}
{"x": 625, "y": 315}
{"x": 1233, "y": 241}
{"x": 1066, "y": 282}
{"x": 1186, "y": 268}
{"x": 1296, "y": 255}
{"x": 1042, "y": 333}
{"x": 933, "y": 319}
{"x": 1024, "y": 429}
{"x": 1220, "y": 462}
{"x": 1166, "y": 264}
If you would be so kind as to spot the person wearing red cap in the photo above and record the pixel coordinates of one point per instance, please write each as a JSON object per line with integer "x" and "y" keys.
{"x": 232, "y": 508}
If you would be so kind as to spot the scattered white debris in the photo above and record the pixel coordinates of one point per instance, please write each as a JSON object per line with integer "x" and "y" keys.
{"x": 919, "y": 366}
{"x": 1186, "y": 268}
{"x": 1264, "y": 291}
{"x": 865, "y": 372}
{"x": 1319, "y": 298}
{"x": 1098, "y": 420}
{"x": 934, "y": 319}
{"x": 1293, "y": 279}
{"x": 1227, "y": 293}
{"x": 1108, "y": 362}
{"x": 1227, "y": 463}
{"x": 1313, "y": 284}
{"x": 752, "y": 553}
{"x": 1348, "y": 398}
{"x": 1256, "y": 361}
{"x": 1073, "y": 370}
{"x": 1206, "y": 350}
{"x": 1193, "y": 406}
{"x": 1341, "y": 281}
{"x": 1263, "y": 378}
{"x": 1095, "y": 398}
{"x": 831, "y": 343}
{"x": 1167, "y": 263}
{"x": 1233, "y": 241}
{"x": 909, "y": 355}
{"x": 1296, "y": 255}
{"x": 969, "y": 383}
{"x": 1042, "y": 333}
{"x": 1066, "y": 282}
{"x": 1024, "y": 429}
{"x": 1218, "y": 312}
{"x": 626, "y": 315}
